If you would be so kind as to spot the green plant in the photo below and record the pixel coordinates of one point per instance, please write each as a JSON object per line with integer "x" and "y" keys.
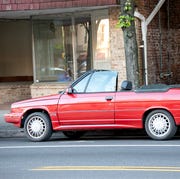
{"x": 125, "y": 19}
{"x": 127, "y": 6}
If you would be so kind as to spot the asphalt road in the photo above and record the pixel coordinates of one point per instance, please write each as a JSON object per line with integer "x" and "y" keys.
{"x": 98, "y": 155}
{"x": 89, "y": 158}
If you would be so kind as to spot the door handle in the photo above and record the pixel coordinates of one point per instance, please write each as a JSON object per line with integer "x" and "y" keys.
{"x": 108, "y": 98}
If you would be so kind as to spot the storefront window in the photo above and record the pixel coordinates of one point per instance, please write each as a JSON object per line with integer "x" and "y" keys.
{"x": 66, "y": 47}
{"x": 62, "y": 48}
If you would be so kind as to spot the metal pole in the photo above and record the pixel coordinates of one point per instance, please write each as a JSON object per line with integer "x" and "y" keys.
{"x": 154, "y": 12}
{"x": 74, "y": 48}
{"x": 144, "y": 38}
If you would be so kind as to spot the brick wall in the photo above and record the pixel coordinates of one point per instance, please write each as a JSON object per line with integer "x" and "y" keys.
{"x": 16, "y": 91}
{"x": 164, "y": 57}
{"x": 42, "y": 89}
{"x": 11, "y": 92}
{"x": 50, "y": 4}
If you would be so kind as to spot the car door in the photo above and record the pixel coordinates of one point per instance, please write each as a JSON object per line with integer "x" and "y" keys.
{"x": 91, "y": 100}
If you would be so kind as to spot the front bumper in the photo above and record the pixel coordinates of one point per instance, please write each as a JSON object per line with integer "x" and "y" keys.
{"x": 14, "y": 118}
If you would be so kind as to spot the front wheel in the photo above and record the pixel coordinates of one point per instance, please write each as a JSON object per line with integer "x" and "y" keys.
{"x": 38, "y": 127}
{"x": 160, "y": 125}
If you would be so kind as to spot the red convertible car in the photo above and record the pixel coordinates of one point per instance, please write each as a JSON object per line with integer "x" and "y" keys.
{"x": 95, "y": 102}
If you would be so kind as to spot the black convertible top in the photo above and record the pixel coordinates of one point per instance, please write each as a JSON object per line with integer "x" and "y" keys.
{"x": 155, "y": 88}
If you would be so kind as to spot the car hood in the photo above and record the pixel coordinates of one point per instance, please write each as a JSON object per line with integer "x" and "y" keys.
{"x": 39, "y": 101}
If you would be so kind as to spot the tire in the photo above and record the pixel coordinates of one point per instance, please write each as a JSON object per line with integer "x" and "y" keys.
{"x": 38, "y": 127}
{"x": 74, "y": 134}
{"x": 160, "y": 125}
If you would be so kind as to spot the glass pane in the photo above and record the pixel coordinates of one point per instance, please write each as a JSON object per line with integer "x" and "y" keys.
{"x": 102, "y": 46}
{"x": 83, "y": 44}
{"x": 62, "y": 48}
{"x": 53, "y": 50}
{"x": 104, "y": 81}
{"x": 101, "y": 53}
{"x": 80, "y": 87}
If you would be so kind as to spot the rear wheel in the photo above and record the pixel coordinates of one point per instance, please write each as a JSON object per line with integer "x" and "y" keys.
{"x": 74, "y": 134}
{"x": 160, "y": 125}
{"x": 38, "y": 127}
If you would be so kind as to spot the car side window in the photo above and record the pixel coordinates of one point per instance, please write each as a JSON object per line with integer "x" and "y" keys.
{"x": 81, "y": 85}
{"x": 102, "y": 81}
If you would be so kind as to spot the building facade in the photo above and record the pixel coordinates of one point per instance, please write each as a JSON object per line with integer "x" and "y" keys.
{"x": 46, "y": 44}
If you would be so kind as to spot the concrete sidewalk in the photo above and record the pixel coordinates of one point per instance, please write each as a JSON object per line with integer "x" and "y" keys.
{"x": 6, "y": 129}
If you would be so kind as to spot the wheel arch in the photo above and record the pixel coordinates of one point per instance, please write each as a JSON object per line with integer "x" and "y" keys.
{"x": 30, "y": 111}
{"x": 153, "y": 109}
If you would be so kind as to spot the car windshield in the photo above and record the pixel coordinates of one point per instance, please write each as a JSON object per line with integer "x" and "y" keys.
{"x": 99, "y": 81}
{"x": 80, "y": 87}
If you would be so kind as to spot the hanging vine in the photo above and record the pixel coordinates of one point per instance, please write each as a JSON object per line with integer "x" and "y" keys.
{"x": 125, "y": 19}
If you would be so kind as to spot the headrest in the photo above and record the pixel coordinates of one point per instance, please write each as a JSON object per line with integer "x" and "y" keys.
{"x": 126, "y": 85}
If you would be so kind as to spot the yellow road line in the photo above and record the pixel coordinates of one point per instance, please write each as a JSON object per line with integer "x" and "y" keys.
{"x": 110, "y": 168}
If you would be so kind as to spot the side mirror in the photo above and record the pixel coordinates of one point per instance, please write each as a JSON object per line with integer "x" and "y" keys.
{"x": 70, "y": 90}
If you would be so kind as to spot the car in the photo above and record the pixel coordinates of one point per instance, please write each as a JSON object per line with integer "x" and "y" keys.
{"x": 95, "y": 102}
